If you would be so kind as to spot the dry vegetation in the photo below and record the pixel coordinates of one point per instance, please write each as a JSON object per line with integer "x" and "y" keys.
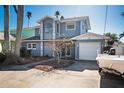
{"x": 48, "y": 66}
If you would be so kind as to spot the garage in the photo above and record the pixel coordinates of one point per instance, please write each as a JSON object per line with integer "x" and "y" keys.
{"x": 88, "y": 45}
{"x": 89, "y": 50}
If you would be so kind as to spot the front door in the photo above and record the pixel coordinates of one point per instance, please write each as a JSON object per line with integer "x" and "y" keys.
{"x": 68, "y": 51}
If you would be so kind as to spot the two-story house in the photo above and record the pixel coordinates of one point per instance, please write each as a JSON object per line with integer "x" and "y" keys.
{"x": 50, "y": 29}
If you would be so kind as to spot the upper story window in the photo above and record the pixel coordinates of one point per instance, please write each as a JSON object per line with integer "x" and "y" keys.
{"x": 48, "y": 27}
{"x": 37, "y": 31}
{"x": 70, "y": 26}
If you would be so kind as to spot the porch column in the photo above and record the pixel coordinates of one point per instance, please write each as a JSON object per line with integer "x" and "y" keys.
{"x": 54, "y": 36}
{"x": 41, "y": 38}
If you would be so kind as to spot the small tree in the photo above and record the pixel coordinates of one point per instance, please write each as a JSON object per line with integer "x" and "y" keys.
{"x": 62, "y": 17}
{"x": 57, "y": 13}
{"x": 58, "y": 46}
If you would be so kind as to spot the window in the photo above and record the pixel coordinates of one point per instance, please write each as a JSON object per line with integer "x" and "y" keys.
{"x": 48, "y": 27}
{"x": 37, "y": 31}
{"x": 70, "y": 26}
{"x": 57, "y": 28}
{"x": 31, "y": 46}
{"x": 34, "y": 46}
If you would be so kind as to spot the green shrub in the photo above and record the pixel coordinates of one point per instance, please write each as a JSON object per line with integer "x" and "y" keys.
{"x": 2, "y": 57}
{"x": 24, "y": 52}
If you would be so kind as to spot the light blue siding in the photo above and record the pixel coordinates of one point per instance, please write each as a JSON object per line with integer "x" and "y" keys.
{"x": 37, "y": 31}
{"x": 47, "y": 29}
{"x": 48, "y": 35}
{"x": 36, "y": 52}
{"x": 70, "y": 33}
{"x": 47, "y": 49}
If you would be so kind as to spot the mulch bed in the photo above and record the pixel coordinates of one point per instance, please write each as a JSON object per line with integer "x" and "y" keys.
{"x": 13, "y": 60}
{"x": 50, "y": 65}
{"x": 33, "y": 59}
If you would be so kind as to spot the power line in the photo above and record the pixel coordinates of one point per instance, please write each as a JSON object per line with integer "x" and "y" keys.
{"x": 106, "y": 13}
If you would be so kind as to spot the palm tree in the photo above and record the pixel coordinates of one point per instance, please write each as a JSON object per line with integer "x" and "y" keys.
{"x": 57, "y": 14}
{"x": 6, "y": 28}
{"x": 29, "y": 15}
{"x": 121, "y": 35}
{"x": 122, "y": 13}
{"x": 20, "y": 13}
{"x": 62, "y": 17}
{"x": 113, "y": 37}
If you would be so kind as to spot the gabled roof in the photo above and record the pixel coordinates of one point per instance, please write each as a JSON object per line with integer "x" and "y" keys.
{"x": 10, "y": 36}
{"x": 88, "y": 36}
{"x": 45, "y": 18}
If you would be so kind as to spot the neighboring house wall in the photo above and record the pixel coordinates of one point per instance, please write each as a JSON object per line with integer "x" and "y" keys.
{"x": 26, "y": 32}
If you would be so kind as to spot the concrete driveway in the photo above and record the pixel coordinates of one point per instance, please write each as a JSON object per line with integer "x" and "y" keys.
{"x": 82, "y": 74}
{"x": 69, "y": 77}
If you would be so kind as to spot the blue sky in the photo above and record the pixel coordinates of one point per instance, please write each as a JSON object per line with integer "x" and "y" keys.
{"x": 115, "y": 22}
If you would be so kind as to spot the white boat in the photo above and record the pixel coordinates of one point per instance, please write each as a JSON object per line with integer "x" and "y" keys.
{"x": 113, "y": 63}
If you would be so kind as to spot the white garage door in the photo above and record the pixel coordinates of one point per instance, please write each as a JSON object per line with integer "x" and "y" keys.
{"x": 88, "y": 50}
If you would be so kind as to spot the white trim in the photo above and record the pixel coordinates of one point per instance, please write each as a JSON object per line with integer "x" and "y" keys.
{"x": 41, "y": 38}
{"x": 75, "y": 19}
{"x": 54, "y": 30}
{"x": 46, "y": 40}
{"x": 59, "y": 28}
{"x": 70, "y": 23}
{"x": 81, "y": 28}
{"x": 31, "y": 46}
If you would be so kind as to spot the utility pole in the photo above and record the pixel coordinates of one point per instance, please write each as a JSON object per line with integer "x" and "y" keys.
{"x": 106, "y": 13}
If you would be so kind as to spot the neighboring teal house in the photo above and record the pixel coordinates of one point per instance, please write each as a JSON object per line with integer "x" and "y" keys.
{"x": 50, "y": 29}
{"x": 26, "y": 33}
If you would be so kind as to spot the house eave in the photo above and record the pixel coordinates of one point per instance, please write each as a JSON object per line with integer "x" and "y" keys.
{"x": 46, "y": 40}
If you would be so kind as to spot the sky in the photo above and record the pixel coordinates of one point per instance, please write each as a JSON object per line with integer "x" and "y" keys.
{"x": 96, "y": 13}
